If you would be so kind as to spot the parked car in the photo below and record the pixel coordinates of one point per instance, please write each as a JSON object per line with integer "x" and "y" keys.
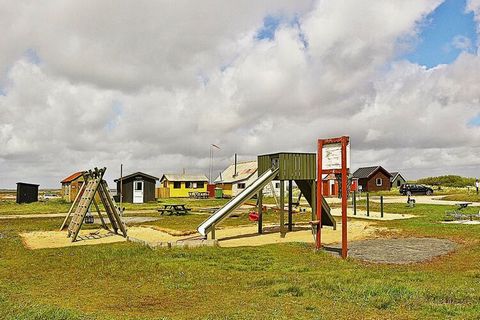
{"x": 415, "y": 189}
{"x": 48, "y": 196}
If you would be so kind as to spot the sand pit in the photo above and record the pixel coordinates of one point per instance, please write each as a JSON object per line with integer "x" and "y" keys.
{"x": 247, "y": 236}
{"x": 58, "y": 239}
{"x": 227, "y": 236}
{"x": 151, "y": 234}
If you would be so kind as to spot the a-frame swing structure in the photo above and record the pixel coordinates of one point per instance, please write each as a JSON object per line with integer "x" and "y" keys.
{"x": 93, "y": 184}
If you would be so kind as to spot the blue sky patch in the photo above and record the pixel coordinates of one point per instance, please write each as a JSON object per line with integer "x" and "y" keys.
{"x": 270, "y": 25}
{"x": 449, "y": 31}
{"x": 475, "y": 121}
{"x": 117, "y": 110}
{"x": 32, "y": 56}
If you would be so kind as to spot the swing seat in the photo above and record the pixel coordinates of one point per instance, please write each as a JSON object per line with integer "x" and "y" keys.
{"x": 253, "y": 216}
{"x": 89, "y": 218}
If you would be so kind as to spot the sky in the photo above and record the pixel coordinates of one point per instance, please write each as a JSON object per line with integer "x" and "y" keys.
{"x": 152, "y": 84}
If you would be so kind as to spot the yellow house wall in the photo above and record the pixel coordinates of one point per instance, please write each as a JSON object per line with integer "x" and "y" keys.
{"x": 226, "y": 187}
{"x": 70, "y": 190}
{"x": 182, "y": 192}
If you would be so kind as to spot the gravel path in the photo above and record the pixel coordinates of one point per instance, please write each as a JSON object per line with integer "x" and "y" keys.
{"x": 400, "y": 251}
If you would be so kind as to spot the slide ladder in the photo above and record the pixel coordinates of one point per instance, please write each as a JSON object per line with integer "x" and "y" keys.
{"x": 222, "y": 213}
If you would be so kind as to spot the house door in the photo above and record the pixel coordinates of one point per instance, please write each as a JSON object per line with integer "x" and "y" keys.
{"x": 138, "y": 192}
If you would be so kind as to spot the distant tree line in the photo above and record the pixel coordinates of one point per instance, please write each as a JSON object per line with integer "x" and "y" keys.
{"x": 448, "y": 181}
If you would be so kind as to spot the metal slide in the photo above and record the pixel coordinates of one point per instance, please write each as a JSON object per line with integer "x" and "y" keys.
{"x": 236, "y": 202}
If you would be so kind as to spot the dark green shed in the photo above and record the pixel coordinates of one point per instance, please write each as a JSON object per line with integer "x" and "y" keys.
{"x": 137, "y": 187}
{"x": 292, "y": 166}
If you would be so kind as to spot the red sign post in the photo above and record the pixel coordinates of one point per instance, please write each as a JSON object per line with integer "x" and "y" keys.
{"x": 335, "y": 160}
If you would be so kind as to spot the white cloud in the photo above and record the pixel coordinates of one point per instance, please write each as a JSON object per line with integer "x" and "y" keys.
{"x": 153, "y": 85}
{"x": 462, "y": 43}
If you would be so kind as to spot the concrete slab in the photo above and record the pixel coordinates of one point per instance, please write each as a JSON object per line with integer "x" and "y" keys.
{"x": 362, "y": 214}
{"x": 468, "y": 222}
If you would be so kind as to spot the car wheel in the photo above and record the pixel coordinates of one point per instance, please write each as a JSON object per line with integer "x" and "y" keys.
{"x": 428, "y": 193}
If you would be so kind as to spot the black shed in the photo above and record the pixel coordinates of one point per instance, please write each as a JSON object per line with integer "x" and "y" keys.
{"x": 137, "y": 187}
{"x": 27, "y": 192}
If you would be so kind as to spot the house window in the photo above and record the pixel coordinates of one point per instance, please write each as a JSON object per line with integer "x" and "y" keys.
{"x": 399, "y": 183}
{"x": 379, "y": 182}
{"x": 241, "y": 185}
{"x": 177, "y": 185}
{"x": 189, "y": 185}
{"x": 277, "y": 185}
{"x": 200, "y": 185}
{"x": 165, "y": 184}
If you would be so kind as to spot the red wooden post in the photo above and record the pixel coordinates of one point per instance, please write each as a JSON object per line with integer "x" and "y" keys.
{"x": 344, "y": 197}
{"x": 318, "y": 244}
{"x": 343, "y": 170}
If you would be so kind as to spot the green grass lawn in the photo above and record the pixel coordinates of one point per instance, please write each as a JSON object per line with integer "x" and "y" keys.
{"x": 467, "y": 197}
{"x": 287, "y": 281}
{"x": 61, "y": 206}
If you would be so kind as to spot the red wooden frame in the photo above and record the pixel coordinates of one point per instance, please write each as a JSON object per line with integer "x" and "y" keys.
{"x": 344, "y": 140}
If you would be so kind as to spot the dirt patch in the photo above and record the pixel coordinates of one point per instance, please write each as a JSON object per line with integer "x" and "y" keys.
{"x": 400, "y": 251}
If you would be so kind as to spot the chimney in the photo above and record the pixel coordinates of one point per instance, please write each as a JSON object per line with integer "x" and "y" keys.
{"x": 235, "y": 168}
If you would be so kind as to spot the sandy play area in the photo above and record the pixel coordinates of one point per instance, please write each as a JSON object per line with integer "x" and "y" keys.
{"x": 247, "y": 236}
{"x": 58, "y": 239}
{"x": 227, "y": 236}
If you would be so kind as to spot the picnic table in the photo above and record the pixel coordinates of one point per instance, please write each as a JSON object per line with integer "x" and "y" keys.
{"x": 457, "y": 213}
{"x": 176, "y": 209}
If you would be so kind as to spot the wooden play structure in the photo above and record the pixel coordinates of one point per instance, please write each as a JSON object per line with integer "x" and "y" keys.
{"x": 94, "y": 185}
{"x": 285, "y": 167}
{"x": 306, "y": 170}
{"x": 298, "y": 167}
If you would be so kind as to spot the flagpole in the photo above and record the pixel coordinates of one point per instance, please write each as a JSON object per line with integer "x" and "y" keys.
{"x": 211, "y": 160}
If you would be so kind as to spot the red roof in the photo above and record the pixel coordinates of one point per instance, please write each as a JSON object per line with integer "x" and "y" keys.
{"x": 72, "y": 177}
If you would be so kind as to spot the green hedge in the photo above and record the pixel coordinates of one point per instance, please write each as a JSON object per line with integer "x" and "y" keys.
{"x": 448, "y": 181}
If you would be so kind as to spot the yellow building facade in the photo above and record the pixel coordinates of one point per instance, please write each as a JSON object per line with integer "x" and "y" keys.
{"x": 181, "y": 185}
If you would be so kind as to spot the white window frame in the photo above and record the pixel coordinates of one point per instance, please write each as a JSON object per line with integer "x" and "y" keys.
{"x": 379, "y": 184}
